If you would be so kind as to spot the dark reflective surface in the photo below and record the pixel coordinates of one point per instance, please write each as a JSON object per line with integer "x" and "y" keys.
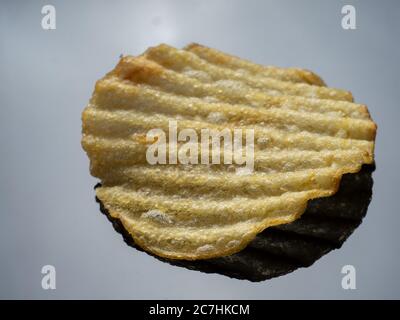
{"x": 325, "y": 226}
{"x": 48, "y": 212}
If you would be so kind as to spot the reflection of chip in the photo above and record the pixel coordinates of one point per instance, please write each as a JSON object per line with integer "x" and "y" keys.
{"x": 306, "y": 137}
{"x": 224, "y": 60}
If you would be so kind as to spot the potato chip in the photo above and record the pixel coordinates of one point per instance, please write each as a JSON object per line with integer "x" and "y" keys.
{"x": 193, "y": 66}
{"x": 324, "y": 226}
{"x": 287, "y": 74}
{"x": 305, "y": 137}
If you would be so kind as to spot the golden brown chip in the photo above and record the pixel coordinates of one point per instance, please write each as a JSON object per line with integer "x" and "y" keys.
{"x": 287, "y": 74}
{"x": 306, "y": 136}
{"x": 193, "y": 66}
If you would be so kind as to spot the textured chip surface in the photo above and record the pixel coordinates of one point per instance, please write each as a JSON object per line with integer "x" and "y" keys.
{"x": 306, "y": 137}
{"x": 324, "y": 226}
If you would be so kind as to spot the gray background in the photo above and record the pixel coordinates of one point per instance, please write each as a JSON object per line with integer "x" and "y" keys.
{"x": 48, "y": 212}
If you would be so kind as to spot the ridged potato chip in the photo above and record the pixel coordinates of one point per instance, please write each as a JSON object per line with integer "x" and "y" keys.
{"x": 306, "y": 136}
{"x": 324, "y": 226}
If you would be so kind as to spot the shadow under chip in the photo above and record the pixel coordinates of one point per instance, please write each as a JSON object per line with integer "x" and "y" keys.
{"x": 324, "y": 226}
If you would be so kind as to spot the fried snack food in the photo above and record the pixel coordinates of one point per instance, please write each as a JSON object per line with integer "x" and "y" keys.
{"x": 225, "y": 60}
{"x": 195, "y": 67}
{"x": 306, "y": 137}
{"x": 324, "y": 226}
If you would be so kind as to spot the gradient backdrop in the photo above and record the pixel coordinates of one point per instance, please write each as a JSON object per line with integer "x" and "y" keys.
{"x": 48, "y": 212}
